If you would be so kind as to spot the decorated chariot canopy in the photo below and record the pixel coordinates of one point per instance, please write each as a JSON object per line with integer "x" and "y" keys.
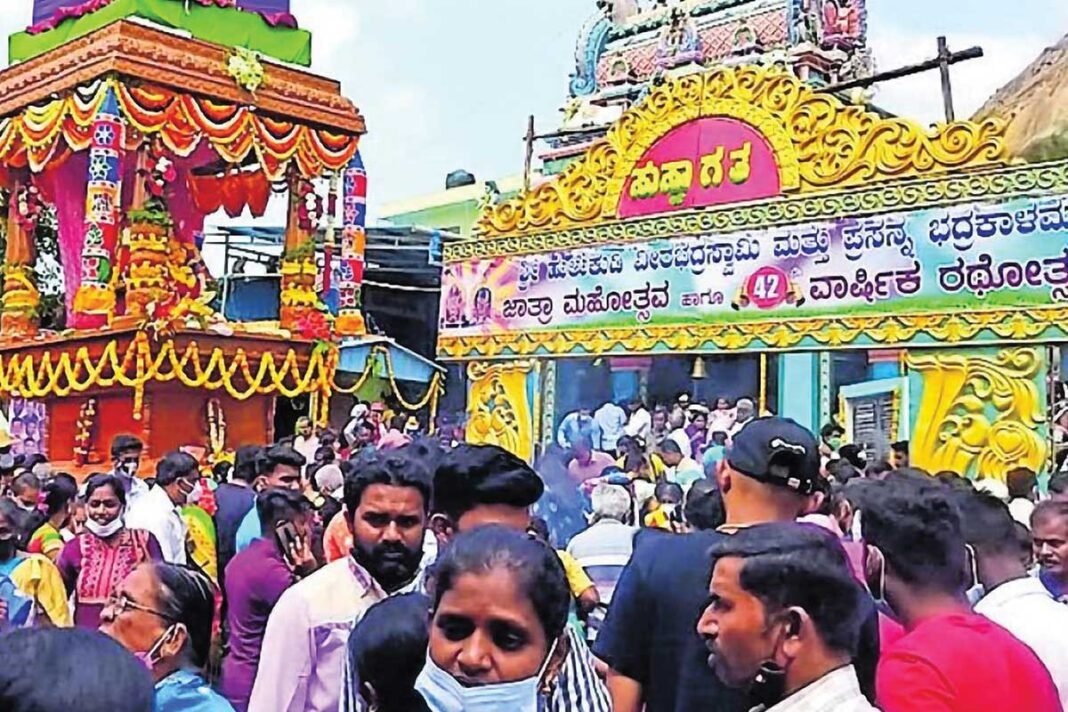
{"x": 264, "y": 26}
{"x": 116, "y": 145}
{"x": 740, "y": 208}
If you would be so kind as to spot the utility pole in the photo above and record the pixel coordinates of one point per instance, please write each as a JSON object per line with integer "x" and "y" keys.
{"x": 529, "y": 138}
{"x": 942, "y": 63}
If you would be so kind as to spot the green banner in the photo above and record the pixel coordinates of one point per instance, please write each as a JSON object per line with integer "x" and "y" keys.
{"x": 229, "y": 27}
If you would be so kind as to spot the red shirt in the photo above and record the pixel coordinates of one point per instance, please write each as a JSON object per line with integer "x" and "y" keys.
{"x": 963, "y": 663}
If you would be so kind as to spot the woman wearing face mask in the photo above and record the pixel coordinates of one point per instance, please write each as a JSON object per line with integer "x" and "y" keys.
{"x": 35, "y": 579}
{"x": 96, "y": 561}
{"x": 52, "y": 515}
{"x": 162, "y": 614}
{"x": 497, "y": 633}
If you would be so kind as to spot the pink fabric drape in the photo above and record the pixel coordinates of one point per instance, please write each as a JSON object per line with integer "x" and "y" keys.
{"x": 64, "y": 184}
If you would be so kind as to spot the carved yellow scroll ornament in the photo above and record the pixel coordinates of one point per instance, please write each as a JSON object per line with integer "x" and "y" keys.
{"x": 499, "y": 409}
{"x": 979, "y": 416}
{"x": 819, "y": 142}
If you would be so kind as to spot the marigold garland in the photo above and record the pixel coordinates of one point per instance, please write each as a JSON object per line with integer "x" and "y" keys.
{"x": 431, "y": 396}
{"x": 181, "y": 121}
{"x": 240, "y": 376}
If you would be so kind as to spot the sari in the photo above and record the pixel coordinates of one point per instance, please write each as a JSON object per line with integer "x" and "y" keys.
{"x": 205, "y": 552}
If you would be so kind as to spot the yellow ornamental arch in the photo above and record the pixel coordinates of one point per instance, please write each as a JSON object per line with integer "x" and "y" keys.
{"x": 820, "y": 142}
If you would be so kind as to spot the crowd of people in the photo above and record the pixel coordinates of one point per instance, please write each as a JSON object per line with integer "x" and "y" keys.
{"x": 375, "y": 569}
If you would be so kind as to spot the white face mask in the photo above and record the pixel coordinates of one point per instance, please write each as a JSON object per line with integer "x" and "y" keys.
{"x": 195, "y": 494}
{"x": 444, "y": 694}
{"x": 977, "y": 590}
{"x": 105, "y": 531}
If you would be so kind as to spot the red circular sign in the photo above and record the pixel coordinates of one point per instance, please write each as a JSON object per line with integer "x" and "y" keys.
{"x": 767, "y": 287}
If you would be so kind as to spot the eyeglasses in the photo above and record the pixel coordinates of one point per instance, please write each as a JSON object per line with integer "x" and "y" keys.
{"x": 121, "y": 603}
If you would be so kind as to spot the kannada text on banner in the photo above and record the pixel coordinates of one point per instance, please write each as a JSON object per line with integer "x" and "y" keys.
{"x": 939, "y": 260}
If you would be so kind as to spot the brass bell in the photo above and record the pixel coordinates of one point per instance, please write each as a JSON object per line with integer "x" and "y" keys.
{"x": 699, "y": 372}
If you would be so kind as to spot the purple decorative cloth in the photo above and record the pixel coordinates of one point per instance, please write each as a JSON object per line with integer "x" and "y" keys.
{"x": 47, "y": 14}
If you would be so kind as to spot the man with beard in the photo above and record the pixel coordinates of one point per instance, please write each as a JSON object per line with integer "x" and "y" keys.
{"x": 302, "y": 663}
{"x": 784, "y": 619}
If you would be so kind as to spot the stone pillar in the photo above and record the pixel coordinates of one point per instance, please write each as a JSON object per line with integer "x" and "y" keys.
{"x": 798, "y": 386}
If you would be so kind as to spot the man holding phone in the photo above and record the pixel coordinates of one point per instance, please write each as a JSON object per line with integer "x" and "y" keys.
{"x": 256, "y": 579}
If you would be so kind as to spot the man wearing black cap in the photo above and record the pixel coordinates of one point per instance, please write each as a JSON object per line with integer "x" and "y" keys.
{"x": 772, "y": 468}
{"x": 650, "y": 642}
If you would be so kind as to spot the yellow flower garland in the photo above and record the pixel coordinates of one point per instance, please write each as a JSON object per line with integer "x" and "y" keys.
{"x": 51, "y": 376}
{"x": 434, "y": 389}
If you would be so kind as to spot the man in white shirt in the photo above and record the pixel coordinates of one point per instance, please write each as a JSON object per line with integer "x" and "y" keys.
{"x": 744, "y": 411}
{"x": 613, "y": 422}
{"x": 1017, "y": 602}
{"x": 677, "y": 426}
{"x": 126, "y": 451}
{"x": 159, "y": 510}
{"x": 306, "y": 442}
{"x": 812, "y": 647}
{"x": 640, "y": 420}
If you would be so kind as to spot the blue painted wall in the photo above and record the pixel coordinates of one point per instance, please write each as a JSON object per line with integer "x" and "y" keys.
{"x": 799, "y": 388}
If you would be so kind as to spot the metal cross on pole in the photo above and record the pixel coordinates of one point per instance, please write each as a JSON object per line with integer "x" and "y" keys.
{"x": 942, "y": 63}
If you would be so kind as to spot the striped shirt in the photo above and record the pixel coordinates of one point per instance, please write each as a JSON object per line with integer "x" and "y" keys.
{"x": 836, "y": 691}
{"x": 577, "y": 687}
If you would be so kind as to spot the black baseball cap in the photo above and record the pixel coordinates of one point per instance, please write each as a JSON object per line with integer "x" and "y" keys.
{"x": 777, "y": 451}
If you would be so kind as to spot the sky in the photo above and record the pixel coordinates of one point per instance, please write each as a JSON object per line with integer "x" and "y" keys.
{"x": 448, "y": 84}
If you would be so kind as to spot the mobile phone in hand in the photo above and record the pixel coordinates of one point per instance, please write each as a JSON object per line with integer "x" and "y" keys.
{"x": 288, "y": 541}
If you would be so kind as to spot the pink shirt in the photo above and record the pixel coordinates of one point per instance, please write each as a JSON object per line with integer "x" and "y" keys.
{"x": 393, "y": 440}
{"x": 306, "y": 641}
{"x": 597, "y": 464}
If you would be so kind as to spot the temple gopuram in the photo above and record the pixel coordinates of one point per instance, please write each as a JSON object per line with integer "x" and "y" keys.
{"x": 629, "y": 46}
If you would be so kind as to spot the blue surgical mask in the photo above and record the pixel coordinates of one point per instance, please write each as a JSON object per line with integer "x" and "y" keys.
{"x": 444, "y": 694}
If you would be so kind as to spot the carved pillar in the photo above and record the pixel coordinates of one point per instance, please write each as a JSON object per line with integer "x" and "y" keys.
{"x": 499, "y": 411}
{"x": 146, "y": 244}
{"x": 350, "y": 321}
{"x": 94, "y": 302}
{"x": 21, "y": 298}
{"x": 298, "y": 259}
